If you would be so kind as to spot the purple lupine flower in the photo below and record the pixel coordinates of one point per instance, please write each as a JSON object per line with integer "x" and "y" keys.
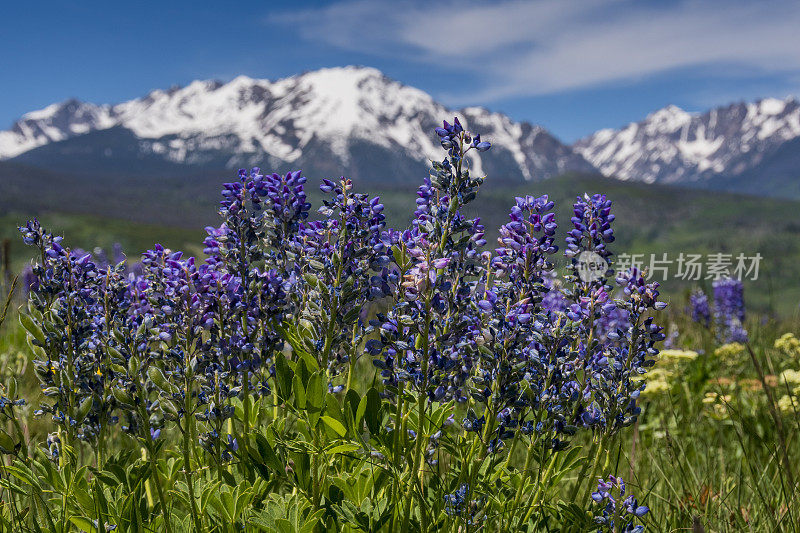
{"x": 729, "y": 310}
{"x": 619, "y": 512}
{"x": 629, "y": 352}
{"x": 72, "y": 366}
{"x": 591, "y": 226}
{"x": 251, "y": 285}
{"x": 100, "y": 302}
{"x": 438, "y": 259}
{"x": 612, "y": 318}
{"x": 344, "y": 260}
{"x": 700, "y": 308}
{"x": 553, "y": 300}
{"x": 29, "y": 280}
{"x": 516, "y": 329}
{"x": 287, "y": 210}
{"x": 456, "y": 503}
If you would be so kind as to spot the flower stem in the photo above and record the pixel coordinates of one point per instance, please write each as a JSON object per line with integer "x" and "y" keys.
{"x": 187, "y": 442}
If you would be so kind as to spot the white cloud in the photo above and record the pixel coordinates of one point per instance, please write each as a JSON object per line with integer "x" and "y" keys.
{"x": 525, "y": 48}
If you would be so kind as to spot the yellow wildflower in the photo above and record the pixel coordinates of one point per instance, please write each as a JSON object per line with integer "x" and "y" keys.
{"x": 792, "y": 377}
{"x": 655, "y": 387}
{"x": 788, "y": 344}
{"x": 727, "y": 351}
{"x": 717, "y": 404}
{"x": 659, "y": 374}
{"x": 787, "y": 405}
{"x": 678, "y": 355}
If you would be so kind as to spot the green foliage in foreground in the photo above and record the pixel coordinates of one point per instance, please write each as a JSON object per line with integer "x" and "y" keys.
{"x": 704, "y": 455}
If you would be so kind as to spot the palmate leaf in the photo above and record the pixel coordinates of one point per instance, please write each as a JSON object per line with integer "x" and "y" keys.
{"x": 224, "y": 503}
{"x": 286, "y": 514}
{"x": 566, "y": 462}
{"x": 207, "y": 493}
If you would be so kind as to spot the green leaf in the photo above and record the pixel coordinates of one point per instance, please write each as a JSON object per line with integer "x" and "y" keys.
{"x": 158, "y": 379}
{"x": 308, "y": 359}
{"x": 267, "y": 453}
{"x": 351, "y": 400}
{"x": 122, "y": 396}
{"x": 335, "y": 425}
{"x": 7, "y": 443}
{"x": 32, "y": 327}
{"x": 38, "y": 351}
{"x": 83, "y": 523}
{"x": 83, "y": 409}
{"x": 283, "y": 377}
{"x": 316, "y": 265}
{"x": 362, "y": 408}
{"x": 342, "y": 448}
{"x": 12, "y": 388}
{"x": 115, "y": 353}
{"x": 373, "y": 410}
{"x": 295, "y": 337}
{"x": 299, "y": 393}
{"x": 315, "y": 397}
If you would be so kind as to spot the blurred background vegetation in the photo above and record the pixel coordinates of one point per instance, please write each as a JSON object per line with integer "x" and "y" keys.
{"x": 651, "y": 219}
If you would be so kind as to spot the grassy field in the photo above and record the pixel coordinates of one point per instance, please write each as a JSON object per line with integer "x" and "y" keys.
{"x": 89, "y": 232}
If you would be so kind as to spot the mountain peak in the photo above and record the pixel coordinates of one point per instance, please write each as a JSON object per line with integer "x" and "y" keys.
{"x": 670, "y": 117}
{"x": 341, "y": 118}
{"x": 358, "y": 72}
{"x": 672, "y": 145}
{"x": 68, "y": 106}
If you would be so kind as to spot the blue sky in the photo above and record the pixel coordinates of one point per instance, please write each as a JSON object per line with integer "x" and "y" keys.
{"x": 573, "y": 66}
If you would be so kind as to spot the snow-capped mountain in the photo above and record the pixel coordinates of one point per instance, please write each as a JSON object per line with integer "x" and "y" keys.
{"x": 349, "y": 120}
{"x": 673, "y": 146}
{"x": 355, "y": 121}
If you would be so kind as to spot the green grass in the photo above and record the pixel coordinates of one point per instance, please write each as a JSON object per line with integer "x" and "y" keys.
{"x": 90, "y": 232}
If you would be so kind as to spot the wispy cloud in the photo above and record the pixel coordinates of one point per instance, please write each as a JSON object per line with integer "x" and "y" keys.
{"x": 526, "y": 48}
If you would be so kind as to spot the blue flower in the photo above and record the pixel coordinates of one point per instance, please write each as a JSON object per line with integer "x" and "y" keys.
{"x": 699, "y": 307}
{"x": 616, "y": 505}
{"x": 729, "y": 310}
